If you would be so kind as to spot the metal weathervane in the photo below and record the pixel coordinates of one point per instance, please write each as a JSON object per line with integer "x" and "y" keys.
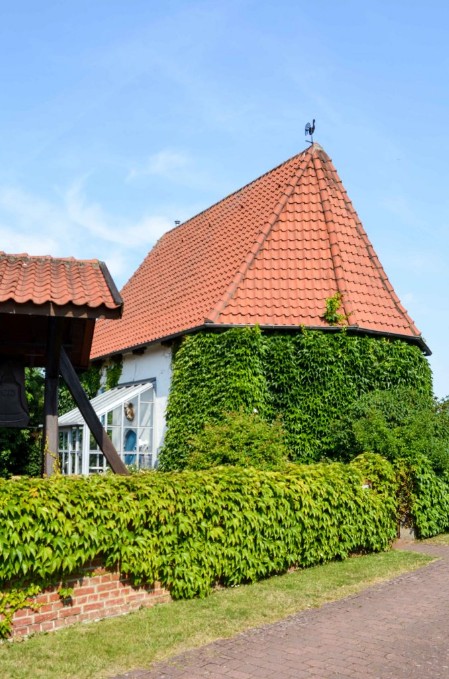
{"x": 310, "y": 129}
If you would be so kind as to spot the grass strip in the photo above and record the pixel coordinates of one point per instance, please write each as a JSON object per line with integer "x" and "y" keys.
{"x": 442, "y": 539}
{"x": 112, "y": 646}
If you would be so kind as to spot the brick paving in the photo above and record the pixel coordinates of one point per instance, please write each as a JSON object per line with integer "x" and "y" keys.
{"x": 396, "y": 630}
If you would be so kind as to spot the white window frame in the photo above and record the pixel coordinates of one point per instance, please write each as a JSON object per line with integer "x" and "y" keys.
{"x": 108, "y": 402}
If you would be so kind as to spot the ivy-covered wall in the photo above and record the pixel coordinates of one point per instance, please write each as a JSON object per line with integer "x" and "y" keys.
{"x": 308, "y": 378}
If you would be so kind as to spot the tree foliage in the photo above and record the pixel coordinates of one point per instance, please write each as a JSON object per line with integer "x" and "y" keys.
{"x": 398, "y": 423}
{"x": 20, "y": 449}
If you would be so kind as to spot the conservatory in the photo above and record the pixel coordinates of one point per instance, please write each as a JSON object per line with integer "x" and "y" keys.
{"x": 126, "y": 414}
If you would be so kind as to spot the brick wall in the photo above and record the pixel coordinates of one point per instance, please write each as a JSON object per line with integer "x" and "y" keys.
{"x": 97, "y": 593}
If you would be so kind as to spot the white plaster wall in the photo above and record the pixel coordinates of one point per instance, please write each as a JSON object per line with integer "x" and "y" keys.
{"x": 154, "y": 363}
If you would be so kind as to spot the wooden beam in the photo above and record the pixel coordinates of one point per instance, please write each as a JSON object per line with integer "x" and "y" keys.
{"x": 90, "y": 416}
{"x": 50, "y": 439}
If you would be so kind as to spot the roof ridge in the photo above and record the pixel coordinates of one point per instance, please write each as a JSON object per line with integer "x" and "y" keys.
{"x": 333, "y": 239}
{"x": 220, "y": 306}
{"x": 245, "y": 186}
{"x": 24, "y": 255}
{"x": 376, "y": 262}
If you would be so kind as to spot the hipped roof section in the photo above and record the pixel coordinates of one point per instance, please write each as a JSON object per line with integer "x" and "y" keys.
{"x": 51, "y": 286}
{"x": 270, "y": 254}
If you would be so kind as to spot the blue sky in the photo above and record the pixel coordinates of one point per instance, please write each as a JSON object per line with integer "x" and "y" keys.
{"x": 119, "y": 117}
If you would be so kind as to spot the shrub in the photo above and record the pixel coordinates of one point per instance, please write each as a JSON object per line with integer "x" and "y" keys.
{"x": 398, "y": 423}
{"x": 428, "y": 497}
{"x": 242, "y": 439}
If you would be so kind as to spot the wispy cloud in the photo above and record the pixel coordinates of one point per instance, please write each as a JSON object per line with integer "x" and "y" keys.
{"x": 71, "y": 224}
{"x": 165, "y": 163}
{"x": 176, "y": 167}
{"x": 92, "y": 218}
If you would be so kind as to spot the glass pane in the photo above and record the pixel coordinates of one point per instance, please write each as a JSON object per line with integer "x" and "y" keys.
{"x": 76, "y": 437}
{"x": 130, "y": 440}
{"x": 130, "y": 459}
{"x": 145, "y": 440}
{"x": 117, "y": 416}
{"x": 109, "y": 417}
{"x": 116, "y": 437}
{"x": 93, "y": 460}
{"x": 146, "y": 414}
{"x": 147, "y": 396}
{"x": 145, "y": 461}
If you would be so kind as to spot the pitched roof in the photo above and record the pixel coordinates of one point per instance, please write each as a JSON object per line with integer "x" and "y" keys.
{"x": 269, "y": 254}
{"x": 57, "y": 286}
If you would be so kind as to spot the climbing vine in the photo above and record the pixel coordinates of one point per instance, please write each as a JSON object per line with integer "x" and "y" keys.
{"x": 309, "y": 379}
{"x": 113, "y": 372}
{"x": 332, "y": 315}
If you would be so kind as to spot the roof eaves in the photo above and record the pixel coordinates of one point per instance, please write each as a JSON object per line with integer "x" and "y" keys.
{"x": 209, "y": 325}
{"x": 350, "y": 329}
{"x": 69, "y": 310}
{"x": 148, "y": 343}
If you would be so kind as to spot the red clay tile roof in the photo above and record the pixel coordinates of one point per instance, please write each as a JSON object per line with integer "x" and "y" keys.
{"x": 269, "y": 254}
{"x": 56, "y": 286}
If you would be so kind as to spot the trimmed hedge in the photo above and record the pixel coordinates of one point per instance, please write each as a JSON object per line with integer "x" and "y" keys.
{"x": 309, "y": 379}
{"x": 428, "y": 498}
{"x": 191, "y": 530}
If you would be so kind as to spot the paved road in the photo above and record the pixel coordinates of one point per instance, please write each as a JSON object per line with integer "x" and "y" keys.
{"x": 396, "y": 630}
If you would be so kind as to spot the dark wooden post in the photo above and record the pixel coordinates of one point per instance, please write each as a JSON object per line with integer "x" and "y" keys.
{"x": 90, "y": 416}
{"x": 50, "y": 439}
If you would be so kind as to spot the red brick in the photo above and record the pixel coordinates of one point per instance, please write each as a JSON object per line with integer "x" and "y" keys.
{"x": 52, "y": 597}
{"x": 49, "y": 607}
{"x": 22, "y": 613}
{"x": 69, "y": 612}
{"x": 43, "y": 617}
{"x": 106, "y": 587}
{"x": 96, "y": 606}
{"x": 84, "y": 590}
{"x": 48, "y": 626}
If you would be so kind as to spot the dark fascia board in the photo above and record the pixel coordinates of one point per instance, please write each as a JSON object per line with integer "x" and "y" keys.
{"x": 56, "y": 310}
{"x": 351, "y": 329}
{"x": 148, "y": 380}
{"x": 116, "y": 296}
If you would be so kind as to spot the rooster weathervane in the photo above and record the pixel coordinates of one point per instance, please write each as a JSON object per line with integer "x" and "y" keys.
{"x": 310, "y": 129}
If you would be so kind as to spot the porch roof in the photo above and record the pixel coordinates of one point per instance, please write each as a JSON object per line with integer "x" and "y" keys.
{"x": 105, "y": 402}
